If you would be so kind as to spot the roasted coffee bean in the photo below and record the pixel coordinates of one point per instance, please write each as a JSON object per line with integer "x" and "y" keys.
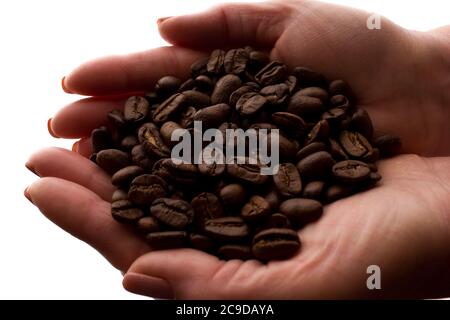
{"x": 291, "y": 124}
{"x": 250, "y": 173}
{"x": 206, "y": 206}
{"x": 119, "y": 194}
{"x": 336, "y": 150}
{"x": 169, "y": 108}
{"x": 235, "y": 61}
{"x": 314, "y": 92}
{"x": 316, "y": 165}
{"x": 204, "y": 83}
{"x": 224, "y": 88}
{"x": 129, "y": 142}
{"x": 301, "y": 211}
{"x": 189, "y": 84}
{"x": 273, "y": 198}
{"x": 152, "y": 141}
{"x": 124, "y": 176}
{"x": 309, "y": 78}
{"x": 167, "y": 86}
{"x": 273, "y": 72}
{"x": 176, "y": 214}
{"x": 116, "y": 119}
{"x": 215, "y": 62}
{"x": 213, "y": 116}
{"x": 199, "y": 67}
{"x": 372, "y": 156}
{"x": 232, "y": 195}
{"x": 263, "y": 125}
{"x": 147, "y": 188}
{"x": 287, "y": 148}
{"x": 148, "y": 224}
{"x": 211, "y": 169}
{"x": 287, "y": 180}
{"x": 112, "y": 160}
{"x": 201, "y": 242}
{"x": 276, "y": 94}
{"x": 320, "y": 132}
{"x": 334, "y": 116}
{"x": 227, "y": 229}
{"x": 310, "y": 149}
{"x": 196, "y": 99}
{"x": 291, "y": 82}
{"x": 275, "y": 244}
{"x": 388, "y": 144}
{"x": 167, "y": 130}
{"x": 100, "y": 139}
{"x": 277, "y": 220}
{"x": 351, "y": 171}
{"x": 136, "y": 109}
{"x": 341, "y": 102}
{"x": 313, "y": 190}
{"x": 167, "y": 239}
{"x": 183, "y": 173}
{"x": 305, "y": 106}
{"x": 258, "y": 59}
{"x": 187, "y": 117}
{"x": 239, "y": 92}
{"x": 250, "y": 103}
{"x": 339, "y": 87}
{"x": 126, "y": 211}
{"x": 354, "y": 143}
{"x": 140, "y": 158}
{"x": 257, "y": 209}
{"x": 234, "y": 251}
{"x": 362, "y": 123}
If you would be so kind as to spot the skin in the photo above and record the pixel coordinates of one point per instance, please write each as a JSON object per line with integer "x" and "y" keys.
{"x": 400, "y": 77}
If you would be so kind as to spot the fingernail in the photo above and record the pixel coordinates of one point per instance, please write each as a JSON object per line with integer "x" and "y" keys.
{"x": 26, "y": 193}
{"x": 146, "y": 285}
{"x": 31, "y": 168}
{"x": 63, "y": 85}
{"x": 75, "y": 146}
{"x": 161, "y": 20}
{"x": 50, "y": 130}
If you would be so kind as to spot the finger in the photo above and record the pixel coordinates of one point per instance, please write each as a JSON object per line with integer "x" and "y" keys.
{"x": 147, "y": 286}
{"x": 67, "y": 165}
{"x": 227, "y": 25}
{"x": 130, "y": 73}
{"x": 83, "y": 214}
{"x": 83, "y": 147}
{"x": 184, "y": 269}
{"x": 79, "y": 118}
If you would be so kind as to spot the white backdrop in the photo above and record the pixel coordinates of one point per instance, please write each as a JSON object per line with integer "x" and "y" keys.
{"x": 40, "y": 42}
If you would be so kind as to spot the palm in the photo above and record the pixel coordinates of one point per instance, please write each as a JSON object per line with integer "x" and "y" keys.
{"x": 388, "y": 226}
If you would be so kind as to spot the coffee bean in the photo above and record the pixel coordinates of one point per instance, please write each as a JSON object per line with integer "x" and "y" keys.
{"x": 206, "y": 206}
{"x": 293, "y": 125}
{"x": 146, "y": 188}
{"x": 336, "y": 150}
{"x": 140, "y": 158}
{"x": 100, "y": 139}
{"x": 316, "y": 165}
{"x": 186, "y": 118}
{"x": 255, "y": 210}
{"x": 189, "y": 84}
{"x": 199, "y": 67}
{"x": 354, "y": 143}
{"x": 125, "y": 175}
{"x": 169, "y": 108}
{"x": 314, "y": 92}
{"x": 313, "y": 190}
{"x": 215, "y": 61}
{"x": 275, "y": 244}
{"x": 176, "y": 214}
{"x": 136, "y": 109}
{"x": 277, "y": 220}
{"x": 287, "y": 180}
{"x": 152, "y": 141}
{"x": 235, "y": 61}
{"x": 167, "y": 86}
{"x": 196, "y": 99}
{"x": 341, "y": 102}
{"x": 128, "y": 143}
{"x": 351, "y": 171}
{"x": 339, "y": 87}
{"x": 211, "y": 169}
{"x": 213, "y": 116}
{"x": 112, "y": 160}
{"x": 232, "y": 195}
{"x": 250, "y": 103}
{"x": 388, "y": 144}
{"x": 302, "y": 105}
{"x": 167, "y": 130}
{"x": 233, "y": 251}
{"x": 125, "y": 211}
{"x": 273, "y": 72}
{"x": 273, "y": 198}
{"x": 291, "y": 82}
{"x": 227, "y": 229}
{"x": 301, "y": 211}
{"x": 336, "y": 192}
{"x": 204, "y": 83}
{"x": 276, "y": 94}
{"x": 310, "y": 149}
{"x": 201, "y": 242}
{"x": 119, "y": 194}
{"x": 148, "y": 224}
{"x": 258, "y": 59}
{"x": 167, "y": 239}
{"x": 362, "y": 123}
{"x": 224, "y": 88}
{"x": 320, "y": 132}
{"x": 249, "y": 173}
{"x": 239, "y": 92}
{"x": 183, "y": 173}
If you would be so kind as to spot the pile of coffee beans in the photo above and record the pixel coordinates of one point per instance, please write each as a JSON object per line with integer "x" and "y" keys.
{"x": 326, "y": 145}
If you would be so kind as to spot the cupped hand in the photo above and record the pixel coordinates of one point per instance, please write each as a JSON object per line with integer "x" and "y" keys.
{"x": 402, "y": 225}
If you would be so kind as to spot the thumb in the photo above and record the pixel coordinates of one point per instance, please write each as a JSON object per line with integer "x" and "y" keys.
{"x": 226, "y": 25}
{"x": 180, "y": 274}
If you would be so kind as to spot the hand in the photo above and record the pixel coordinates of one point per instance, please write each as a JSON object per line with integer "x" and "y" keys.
{"x": 402, "y": 225}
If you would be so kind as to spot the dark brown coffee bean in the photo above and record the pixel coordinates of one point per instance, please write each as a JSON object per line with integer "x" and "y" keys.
{"x": 341, "y": 102}
{"x": 140, "y": 158}
{"x": 232, "y": 195}
{"x": 276, "y": 94}
{"x": 302, "y": 105}
{"x": 310, "y": 149}
{"x": 119, "y": 194}
{"x": 239, "y": 92}
{"x": 167, "y": 130}
{"x": 201, "y": 242}
{"x": 291, "y": 82}
{"x": 224, "y": 88}
{"x": 112, "y": 160}
{"x": 211, "y": 169}
{"x": 128, "y": 143}
{"x": 125, "y": 211}
{"x": 257, "y": 209}
{"x": 320, "y": 132}
{"x": 184, "y": 173}
{"x": 314, "y": 92}
{"x": 313, "y": 190}
{"x": 336, "y": 150}
{"x": 148, "y": 224}
{"x": 204, "y": 83}
{"x": 235, "y": 61}
{"x": 213, "y": 116}
{"x": 273, "y": 198}
{"x": 167, "y": 86}
{"x": 176, "y": 214}
{"x": 277, "y": 220}
{"x": 250, "y": 173}
{"x": 263, "y": 125}
{"x": 316, "y": 165}
{"x": 301, "y": 211}
{"x": 152, "y": 141}
{"x": 206, "y": 206}
{"x": 250, "y": 103}
{"x": 388, "y": 144}
{"x": 354, "y": 143}
{"x": 124, "y": 176}
{"x": 136, "y": 109}
{"x": 215, "y": 62}
{"x": 287, "y": 148}
{"x": 372, "y": 156}
{"x": 309, "y": 78}
{"x": 234, "y": 251}
{"x": 275, "y": 244}
{"x": 199, "y": 67}
{"x": 351, "y": 171}
{"x": 186, "y": 119}
{"x": 362, "y": 123}
{"x": 291, "y": 124}
{"x": 169, "y": 108}
{"x": 334, "y": 116}
{"x": 196, "y": 99}
{"x": 273, "y": 72}
{"x": 227, "y": 229}
{"x": 287, "y": 180}
{"x": 189, "y": 84}
{"x": 339, "y": 87}
{"x": 258, "y": 59}
{"x": 167, "y": 239}
{"x": 100, "y": 139}
{"x": 147, "y": 188}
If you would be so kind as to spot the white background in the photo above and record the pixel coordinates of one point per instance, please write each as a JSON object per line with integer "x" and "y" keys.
{"x": 41, "y": 41}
